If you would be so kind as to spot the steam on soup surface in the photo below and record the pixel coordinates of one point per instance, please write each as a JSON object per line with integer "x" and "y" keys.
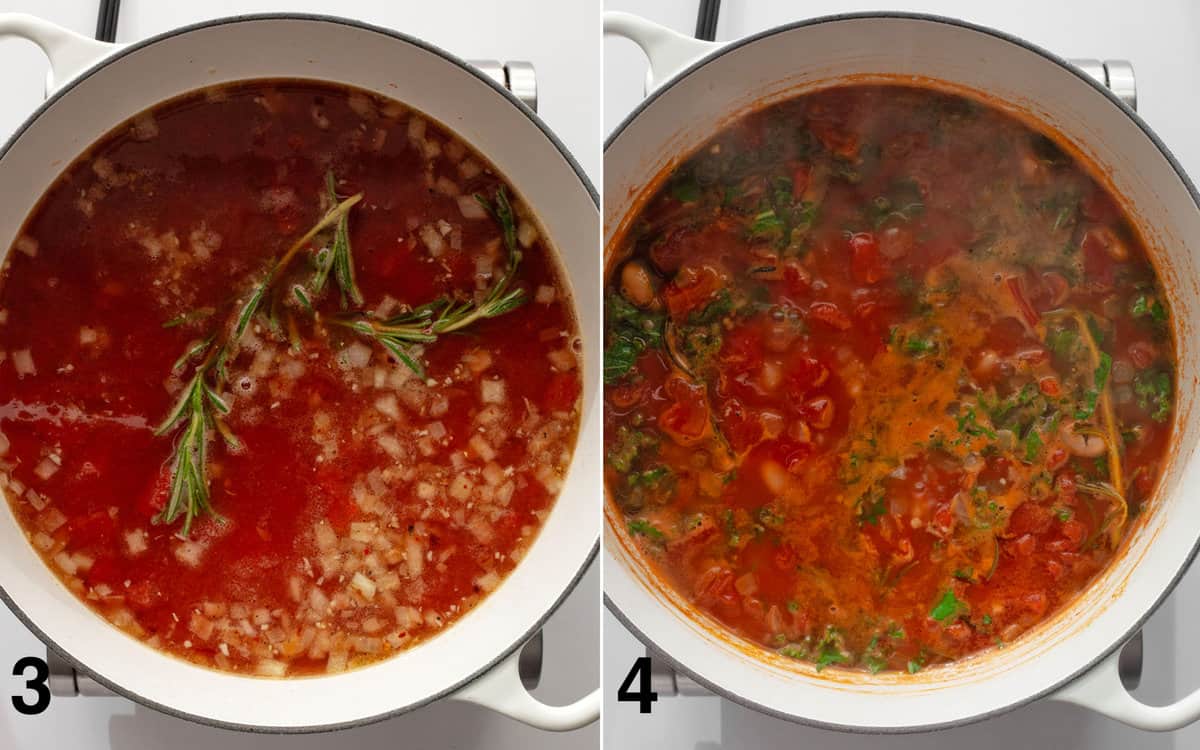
{"x": 888, "y": 377}
{"x": 290, "y": 378}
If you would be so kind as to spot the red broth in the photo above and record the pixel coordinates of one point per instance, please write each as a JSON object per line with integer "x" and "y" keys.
{"x": 888, "y": 375}
{"x": 363, "y": 507}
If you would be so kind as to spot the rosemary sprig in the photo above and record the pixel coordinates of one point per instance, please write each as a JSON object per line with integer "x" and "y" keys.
{"x": 445, "y": 315}
{"x": 336, "y": 258}
{"x": 200, "y": 406}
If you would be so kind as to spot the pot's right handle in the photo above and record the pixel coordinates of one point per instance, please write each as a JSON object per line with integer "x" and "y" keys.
{"x": 501, "y": 690}
{"x": 70, "y": 53}
{"x": 669, "y": 51}
{"x": 1100, "y": 690}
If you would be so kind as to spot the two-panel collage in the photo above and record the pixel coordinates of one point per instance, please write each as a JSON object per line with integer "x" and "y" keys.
{"x": 602, "y": 374}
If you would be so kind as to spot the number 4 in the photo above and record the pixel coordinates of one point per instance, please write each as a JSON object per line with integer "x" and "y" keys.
{"x": 644, "y": 695}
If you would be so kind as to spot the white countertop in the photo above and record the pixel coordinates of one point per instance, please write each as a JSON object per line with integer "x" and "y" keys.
{"x": 1160, "y": 38}
{"x": 568, "y": 73}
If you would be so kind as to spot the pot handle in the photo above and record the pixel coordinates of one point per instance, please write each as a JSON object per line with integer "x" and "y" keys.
{"x": 1100, "y": 690}
{"x": 500, "y": 689}
{"x": 70, "y": 53}
{"x": 668, "y": 51}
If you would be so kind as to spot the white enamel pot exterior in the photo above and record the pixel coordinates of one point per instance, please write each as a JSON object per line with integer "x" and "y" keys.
{"x": 696, "y": 88}
{"x": 93, "y": 87}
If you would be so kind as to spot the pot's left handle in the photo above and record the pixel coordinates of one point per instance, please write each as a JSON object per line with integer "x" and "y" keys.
{"x": 70, "y": 53}
{"x": 1100, "y": 690}
{"x": 501, "y": 690}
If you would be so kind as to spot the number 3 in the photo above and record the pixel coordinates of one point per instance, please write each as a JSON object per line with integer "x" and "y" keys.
{"x": 38, "y": 684}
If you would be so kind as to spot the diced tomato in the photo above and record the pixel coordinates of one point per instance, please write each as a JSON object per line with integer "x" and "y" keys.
{"x": 669, "y": 253}
{"x": 561, "y": 392}
{"x": 1099, "y": 270}
{"x": 796, "y": 279}
{"x": 1143, "y": 354}
{"x": 715, "y": 586}
{"x": 1018, "y": 293}
{"x": 686, "y": 420}
{"x": 865, "y": 263}
{"x": 1049, "y": 386}
{"x": 895, "y": 242}
{"x": 785, "y": 558}
{"x": 1022, "y": 546}
{"x": 695, "y": 538}
{"x": 626, "y": 394}
{"x": 1029, "y": 518}
{"x": 829, "y": 314}
{"x": 742, "y": 430}
{"x": 1097, "y": 206}
{"x": 835, "y": 137}
{"x": 742, "y": 351}
{"x": 1074, "y": 532}
{"x": 804, "y": 374}
{"x": 800, "y": 176}
{"x": 689, "y": 290}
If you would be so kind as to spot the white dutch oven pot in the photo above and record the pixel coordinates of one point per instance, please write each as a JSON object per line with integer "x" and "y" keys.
{"x": 699, "y": 86}
{"x": 95, "y": 86}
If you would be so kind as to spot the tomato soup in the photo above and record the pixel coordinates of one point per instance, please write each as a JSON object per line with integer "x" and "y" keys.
{"x": 290, "y": 377}
{"x": 889, "y": 376}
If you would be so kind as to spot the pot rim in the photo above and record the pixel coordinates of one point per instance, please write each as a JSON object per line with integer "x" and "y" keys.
{"x": 1050, "y": 57}
{"x": 120, "y": 52}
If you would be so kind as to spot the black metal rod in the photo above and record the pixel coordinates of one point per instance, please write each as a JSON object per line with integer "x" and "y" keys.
{"x": 706, "y": 20}
{"x": 106, "y": 20}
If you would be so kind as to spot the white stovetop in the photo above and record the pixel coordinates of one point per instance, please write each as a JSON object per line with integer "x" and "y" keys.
{"x": 568, "y": 70}
{"x": 1160, "y": 38}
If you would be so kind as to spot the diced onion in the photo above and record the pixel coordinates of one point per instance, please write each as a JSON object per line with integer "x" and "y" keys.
{"x": 471, "y": 208}
{"x": 491, "y": 391}
{"x": 414, "y": 556}
{"x": 545, "y": 294}
{"x": 65, "y": 563}
{"x": 357, "y": 355}
{"x": 469, "y": 168}
{"x": 271, "y": 668}
{"x": 144, "y": 128}
{"x": 135, "y": 542}
{"x": 416, "y": 128}
{"x": 338, "y": 662}
{"x": 189, "y": 553}
{"x": 481, "y": 447}
{"x": 46, "y": 468}
{"x": 36, "y": 499}
{"x": 488, "y": 581}
{"x": 23, "y": 362}
{"x": 433, "y": 241}
{"x": 460, "y": 487}
{"x": 388, "y": 406}
{"x": 364, "y": 585}
{"x": 27, "y": 245}
{"x": 51, "y": 520}
{"x": 563, "y": 360}
{"x": 527, "y": 233}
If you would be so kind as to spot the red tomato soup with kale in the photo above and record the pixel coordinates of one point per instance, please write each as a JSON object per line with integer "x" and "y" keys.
{"x": 889, "y": 376}
{"x": 291, "y": 379}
